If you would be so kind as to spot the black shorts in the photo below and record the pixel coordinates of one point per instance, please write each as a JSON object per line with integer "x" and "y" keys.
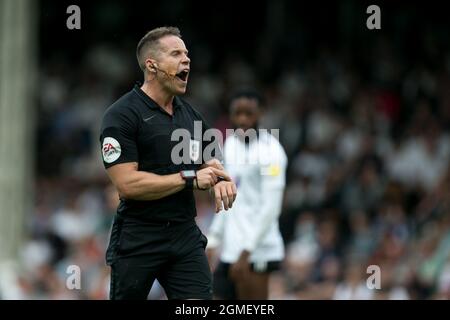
{"x": 174, "y": 254}
{"x": 224, "y": 287}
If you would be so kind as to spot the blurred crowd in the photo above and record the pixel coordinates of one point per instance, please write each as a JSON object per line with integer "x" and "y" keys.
{"x": 368, "y": 181}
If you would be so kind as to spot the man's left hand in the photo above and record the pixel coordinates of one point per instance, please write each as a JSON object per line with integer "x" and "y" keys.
{"x": 224, "y": 192}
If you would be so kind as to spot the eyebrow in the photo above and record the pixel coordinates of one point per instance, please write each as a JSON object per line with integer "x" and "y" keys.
{"x": 179, "y": 50}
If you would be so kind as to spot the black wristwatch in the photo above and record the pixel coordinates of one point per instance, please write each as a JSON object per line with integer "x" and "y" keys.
{"x": 189, "y": 176}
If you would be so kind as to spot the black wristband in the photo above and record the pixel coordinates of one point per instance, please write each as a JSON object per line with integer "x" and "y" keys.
{"x": 188, "y": 176}
{"x": 189, "y": 184}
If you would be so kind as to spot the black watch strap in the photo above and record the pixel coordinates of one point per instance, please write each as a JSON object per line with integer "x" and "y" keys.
{"x": 189, "y": 184}
{"x": 189, "y": 176}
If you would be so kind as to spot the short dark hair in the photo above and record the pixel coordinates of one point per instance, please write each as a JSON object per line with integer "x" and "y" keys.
{"x": 246, "y": 93}
{"x": 151, "y": 41}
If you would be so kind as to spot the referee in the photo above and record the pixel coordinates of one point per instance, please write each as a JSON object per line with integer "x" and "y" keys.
{"x": 154, "y": 234}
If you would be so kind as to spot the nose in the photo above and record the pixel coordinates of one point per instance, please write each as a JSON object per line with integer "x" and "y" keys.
{"x": 186, "y": 59}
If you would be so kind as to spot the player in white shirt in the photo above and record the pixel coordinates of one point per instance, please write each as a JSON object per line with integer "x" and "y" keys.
{"x": 248, "y": 235}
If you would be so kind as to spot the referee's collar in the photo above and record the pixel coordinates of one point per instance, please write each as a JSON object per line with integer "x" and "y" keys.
{"x": 152, "y": 103}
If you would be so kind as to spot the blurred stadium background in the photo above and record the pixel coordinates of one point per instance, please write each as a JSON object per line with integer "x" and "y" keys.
{"x": 363, "y": 115}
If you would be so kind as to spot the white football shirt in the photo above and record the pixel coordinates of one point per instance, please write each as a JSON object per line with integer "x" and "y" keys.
{"x": 258, "y": 169}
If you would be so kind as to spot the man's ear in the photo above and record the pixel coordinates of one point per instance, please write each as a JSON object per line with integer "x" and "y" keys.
{"x": 151, "y": 65}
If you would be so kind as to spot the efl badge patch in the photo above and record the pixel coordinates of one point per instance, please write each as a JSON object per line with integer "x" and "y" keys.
{"x": 111, "y": 150}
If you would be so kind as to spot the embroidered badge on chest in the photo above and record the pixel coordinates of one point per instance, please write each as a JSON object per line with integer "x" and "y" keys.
{"x": 194, "y": 150}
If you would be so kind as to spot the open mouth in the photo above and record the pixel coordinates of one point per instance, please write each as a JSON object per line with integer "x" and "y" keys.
{"x": 182, "y": 75}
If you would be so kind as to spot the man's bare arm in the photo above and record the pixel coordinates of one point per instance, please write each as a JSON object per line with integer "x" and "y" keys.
{"x": 140, "y": 185}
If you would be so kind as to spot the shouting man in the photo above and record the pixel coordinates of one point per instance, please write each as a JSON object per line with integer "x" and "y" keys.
{"x": 154, "y": 234}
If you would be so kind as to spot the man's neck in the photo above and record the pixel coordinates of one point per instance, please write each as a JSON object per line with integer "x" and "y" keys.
{"x": 162, "y": 98}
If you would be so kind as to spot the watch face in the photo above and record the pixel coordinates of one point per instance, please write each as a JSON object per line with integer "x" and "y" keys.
{"x": 189, "y": 174}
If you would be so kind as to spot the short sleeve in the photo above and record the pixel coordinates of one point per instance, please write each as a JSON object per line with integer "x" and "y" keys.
{"x": 118, "y": 139}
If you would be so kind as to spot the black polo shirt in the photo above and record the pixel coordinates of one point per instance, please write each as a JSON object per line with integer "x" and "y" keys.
{"x": 136, "y": 129}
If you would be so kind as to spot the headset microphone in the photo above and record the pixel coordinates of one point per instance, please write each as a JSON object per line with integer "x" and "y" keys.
{"x": 170, "y": 75}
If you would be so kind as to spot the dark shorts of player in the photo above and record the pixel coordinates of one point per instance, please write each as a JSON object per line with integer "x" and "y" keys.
{"x": 174, "y": 254}
{"x": 224, "y": 287}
